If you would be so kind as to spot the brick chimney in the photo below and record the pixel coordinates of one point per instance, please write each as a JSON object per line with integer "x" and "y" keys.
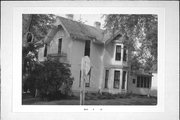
{"x": 97, "y": 24}
{"x": 70, "y": 16}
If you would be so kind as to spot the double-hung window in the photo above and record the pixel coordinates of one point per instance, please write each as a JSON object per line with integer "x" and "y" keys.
{"x": 118, "y": 53}
{"x": 87, "y": 48}
{"x": 59, "y": 46}
{"x": 125, "y": 54}
{"x": 123, "y": 80}
{"x": 116, "y": 79}
{"x": 106, "y": 79}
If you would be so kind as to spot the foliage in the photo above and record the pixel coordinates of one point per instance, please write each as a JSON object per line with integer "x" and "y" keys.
{"x": 40, "y": 24}
{"x": 50, "y": 78}
{"x": 142, "y": 33}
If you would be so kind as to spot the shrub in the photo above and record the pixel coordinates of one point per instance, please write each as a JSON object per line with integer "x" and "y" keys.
{"x": 51, "y": 79}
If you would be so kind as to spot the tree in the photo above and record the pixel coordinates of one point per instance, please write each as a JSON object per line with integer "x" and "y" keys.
{"x": 35, "y": 28}
{"x": 46, "y": 77}
{"x": 141, "y": 31}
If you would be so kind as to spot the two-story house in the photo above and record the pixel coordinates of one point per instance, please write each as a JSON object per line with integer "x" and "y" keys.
{"x": 70, "y": 40}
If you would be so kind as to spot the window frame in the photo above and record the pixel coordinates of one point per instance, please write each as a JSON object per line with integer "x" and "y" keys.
{"x": 106, "y": 78}
{"x": 118, "y": 55}
{"x": 87, "y": 48}
{"x": 143, "y": 81}
{"x": 45, "y": 50}
{"x": 124, "y": 80}
{"x": 116, "y": 80}
{"x": 59, "y": 45}
{"x": 124, "y": 54}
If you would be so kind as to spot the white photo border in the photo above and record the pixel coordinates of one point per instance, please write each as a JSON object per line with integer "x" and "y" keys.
{"x": 17, "y": 61}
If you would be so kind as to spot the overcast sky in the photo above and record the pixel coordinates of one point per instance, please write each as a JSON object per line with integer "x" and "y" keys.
{"x": 88, "y": 19}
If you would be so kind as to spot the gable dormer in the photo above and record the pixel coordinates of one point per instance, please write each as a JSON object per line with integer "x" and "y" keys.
{"x": 119, "y": 54}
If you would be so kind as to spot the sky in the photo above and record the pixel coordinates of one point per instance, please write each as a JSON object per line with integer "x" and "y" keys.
{"x": 88, "y": 19}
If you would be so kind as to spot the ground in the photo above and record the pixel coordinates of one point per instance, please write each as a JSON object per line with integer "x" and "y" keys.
{"x": 97, "y": 100}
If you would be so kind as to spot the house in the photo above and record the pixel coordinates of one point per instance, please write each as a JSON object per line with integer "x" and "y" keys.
{"x": 69, "y": 40}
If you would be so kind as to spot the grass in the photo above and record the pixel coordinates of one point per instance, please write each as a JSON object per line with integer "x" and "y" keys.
{"x": 97, "y": 99}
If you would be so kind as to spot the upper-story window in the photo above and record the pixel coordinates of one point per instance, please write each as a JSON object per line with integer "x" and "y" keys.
{"x": 118, "y": 53}
{"x": 87, "y": 48}
{"x": 59, "y": 45}
{"x": 45, "y": 50}
{"x": 125, "y": 53}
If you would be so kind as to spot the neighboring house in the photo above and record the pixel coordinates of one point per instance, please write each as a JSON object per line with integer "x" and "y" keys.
{"x": 69, "y": 41}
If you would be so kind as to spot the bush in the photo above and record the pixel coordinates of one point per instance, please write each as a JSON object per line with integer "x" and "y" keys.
{"x": 51, "y": 79}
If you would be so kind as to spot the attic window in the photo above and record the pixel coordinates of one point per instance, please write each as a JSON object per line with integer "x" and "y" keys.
{"x": 118, "y": 52}
{"x": 87, "y": 48}
{"x": 29, "y": 37}
{"x": 59, "y": 45}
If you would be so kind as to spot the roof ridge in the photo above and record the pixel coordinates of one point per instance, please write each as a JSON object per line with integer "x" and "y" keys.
{"x": 80, "y": 23}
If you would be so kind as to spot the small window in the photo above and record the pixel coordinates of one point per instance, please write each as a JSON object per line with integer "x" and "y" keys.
{"x": 125, "y": 54}
{"x": 45, "y": 50}
{"x": 134, "y": 81}
{"x": 59, "y": 46}
{"x": 29, "y": 37}
{"x": 106, "y": 79}
{"x": 118, "y": 53}
{"x": 87, "y": 48}
{"x": 116, "y": 79}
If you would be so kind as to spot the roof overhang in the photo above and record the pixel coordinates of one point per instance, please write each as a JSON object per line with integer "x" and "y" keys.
{"x": 113, "y": 37}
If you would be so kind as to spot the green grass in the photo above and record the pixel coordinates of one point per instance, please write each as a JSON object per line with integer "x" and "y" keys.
{"x": 97, "y": 99}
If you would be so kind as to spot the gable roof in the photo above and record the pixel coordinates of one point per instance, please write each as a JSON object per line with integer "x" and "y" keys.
{"x": 80, "y": 31}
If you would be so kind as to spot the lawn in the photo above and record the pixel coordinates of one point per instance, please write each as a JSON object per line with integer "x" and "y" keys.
{"x": 97, "y": 100}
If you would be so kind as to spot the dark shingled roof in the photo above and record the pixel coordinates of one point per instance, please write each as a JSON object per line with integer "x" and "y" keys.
{"x": 81, "y": 31}
{"x": 77, "y": 30}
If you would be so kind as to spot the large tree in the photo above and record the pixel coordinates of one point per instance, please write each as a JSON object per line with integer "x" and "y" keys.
{"x": 141, "y": 31}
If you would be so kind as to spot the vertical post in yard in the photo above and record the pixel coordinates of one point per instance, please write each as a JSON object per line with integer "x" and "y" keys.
{"x": 82, "y": 83}
{"x": 85, "y": 67}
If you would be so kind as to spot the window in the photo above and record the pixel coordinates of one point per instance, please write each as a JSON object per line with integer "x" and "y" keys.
{"x": 144, "y": 81}
{"x": 123, "y": 80}
{"x": 29, "y": 37}
{"x": 134, "y": 81}
{"x": 80, "y": 79}
{"x": 59, "y": 45}
{"x": 106, "y": 79}
{"x": 45, "y": 50}
{"x": 138, "y": 81}
{"x": 87, "y": 48}
{"x": 125, "y": 54}
{"x": 116, "y": 79}
{"x": 87, "y": 83}
{"x": 118, "y": 53}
